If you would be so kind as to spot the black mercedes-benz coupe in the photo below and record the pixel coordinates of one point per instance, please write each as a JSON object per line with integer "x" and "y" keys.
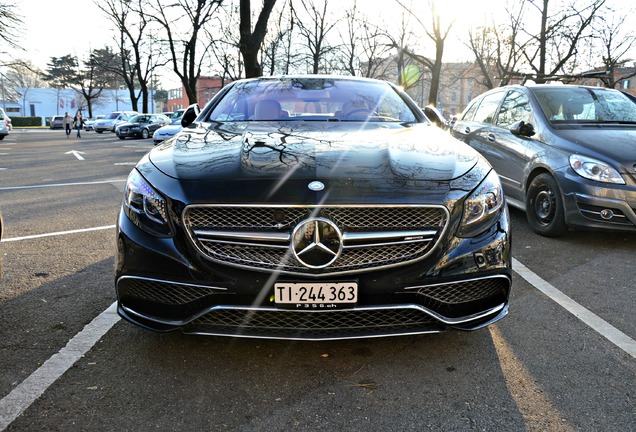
{"x": 312, "y": 207}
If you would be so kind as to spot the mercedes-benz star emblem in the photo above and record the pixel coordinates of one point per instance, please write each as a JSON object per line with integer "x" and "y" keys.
{"x": 316, "y": 242}
{"x": 316, "y": 185}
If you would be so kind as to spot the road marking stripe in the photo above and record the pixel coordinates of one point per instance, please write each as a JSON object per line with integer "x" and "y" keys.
{"x": 60, "y": 184}
{"x": 21, "y": 397}
{"x": 36, "y": 236}
{"x": 602, "y": 327}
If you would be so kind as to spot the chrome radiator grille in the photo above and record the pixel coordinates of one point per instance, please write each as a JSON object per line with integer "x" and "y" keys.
{"x": 259, "y": 237}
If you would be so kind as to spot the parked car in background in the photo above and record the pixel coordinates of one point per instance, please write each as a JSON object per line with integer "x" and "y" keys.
{"x": 89, "y": 124}
{"x": 312, "y": 207}
{"x": 167, "y": 131}
{"x": 110, "y": 121}
{"x": 141, "y": 126}
{"x": 565, "y": 154}
{"x": 56, "y": 122}
{"x": 176, "y": 115}
{"x": 5, "y": 124}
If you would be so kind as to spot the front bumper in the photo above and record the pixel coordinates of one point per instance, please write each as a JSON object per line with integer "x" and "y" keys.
{"x": 128, "y": 133}
{"x": 589, "y": 204}
{"x": 163, "y": 284}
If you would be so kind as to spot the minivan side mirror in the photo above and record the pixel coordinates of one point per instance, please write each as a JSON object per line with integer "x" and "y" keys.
{"x": 522, "y": 128}
{"x": 190, "y": 115}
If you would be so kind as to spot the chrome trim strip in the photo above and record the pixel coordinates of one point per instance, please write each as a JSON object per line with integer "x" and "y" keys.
{"x": 395, "y": 236}
{"x": 245, "y": 243}
{"x": 170, "y": 282}
{"x": 459, "y": 281}
{"x": 210, "y": 235}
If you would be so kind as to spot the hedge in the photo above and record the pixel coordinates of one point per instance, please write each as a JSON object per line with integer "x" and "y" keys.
{"x": 26, "y": 121}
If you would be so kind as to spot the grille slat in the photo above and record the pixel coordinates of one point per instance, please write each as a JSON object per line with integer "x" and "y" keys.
{"x": 282, "y": 220}
{"x": 314, "y": 325}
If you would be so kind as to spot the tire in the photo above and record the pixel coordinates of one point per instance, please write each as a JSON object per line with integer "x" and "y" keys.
{"x": 145, "y": 134}
{"x": 121, "y": 137}
{"x": 99, "y": 131}
{"x": 544, "y": 207}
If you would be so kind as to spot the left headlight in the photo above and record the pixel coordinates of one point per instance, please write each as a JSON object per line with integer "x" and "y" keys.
{"x": 594, "y": 169}
{"x": 145, "y": 207}
{"x": 482, "y": 206}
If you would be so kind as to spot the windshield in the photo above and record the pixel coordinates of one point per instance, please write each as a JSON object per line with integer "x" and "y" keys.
{"x": 585, "y": 105}
{"x": 312, "y": 99}
{"x": 140, "y": 119}
{"x": 112, "y": 116}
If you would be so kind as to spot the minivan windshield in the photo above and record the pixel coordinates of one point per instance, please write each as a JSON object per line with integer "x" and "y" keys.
{"x": 585, "y": 105}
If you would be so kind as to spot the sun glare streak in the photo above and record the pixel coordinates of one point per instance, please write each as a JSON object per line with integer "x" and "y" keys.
{"x": 539, "y": 414}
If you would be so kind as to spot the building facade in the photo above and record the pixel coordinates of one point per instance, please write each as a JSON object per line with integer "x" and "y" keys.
{"x": 207, "y": 88}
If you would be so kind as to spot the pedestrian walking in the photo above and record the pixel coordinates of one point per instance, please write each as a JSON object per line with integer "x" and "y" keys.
{"x": 67, "y": 123}
{"x": 78, "y": 122}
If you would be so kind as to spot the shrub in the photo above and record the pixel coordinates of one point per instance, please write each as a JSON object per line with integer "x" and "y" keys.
{"x": 26, "y": 121}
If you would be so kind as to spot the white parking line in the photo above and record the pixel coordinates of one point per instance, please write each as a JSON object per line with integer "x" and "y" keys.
{"x": 598, "y": 324}
{"x": 60, "y": 184}
{"x": 21, "y": 397}
{"x": 36, "y": 236}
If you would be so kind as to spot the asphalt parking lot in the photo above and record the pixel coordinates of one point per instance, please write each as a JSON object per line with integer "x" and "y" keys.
{"x": 563, "y": 360}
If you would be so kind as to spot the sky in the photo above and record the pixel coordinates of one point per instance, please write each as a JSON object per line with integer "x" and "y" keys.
{"x": 54, "y": 28}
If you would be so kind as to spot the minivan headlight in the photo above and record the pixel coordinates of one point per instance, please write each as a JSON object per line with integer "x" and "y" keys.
{"x": 482, "y": 206}
{"x": 594, "y": 169}
{"x": 145, "y": 207}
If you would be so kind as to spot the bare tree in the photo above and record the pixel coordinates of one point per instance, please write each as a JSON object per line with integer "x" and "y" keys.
{"x": 616, "y": 43}
{"x": 10, "y": 21}
{"x": 314, "y": 24}
{"x": 226, "y": 55}
{"x": 187, "y": 51}
{"x": 252, "y": 40}
{"x": 553, "y": 48}
{"x": 278, "y": 53}
{"x": 495, "y": 49}
{"x": 437, "y": 32}
{"x": 138, "y": 59}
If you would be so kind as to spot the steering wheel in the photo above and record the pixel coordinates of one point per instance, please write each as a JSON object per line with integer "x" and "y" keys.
{"x": 360, "y": 112}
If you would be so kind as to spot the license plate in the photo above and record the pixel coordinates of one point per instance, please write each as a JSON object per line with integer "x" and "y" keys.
{"x": 315, "y": 293}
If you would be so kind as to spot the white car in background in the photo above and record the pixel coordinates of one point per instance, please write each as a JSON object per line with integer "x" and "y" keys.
{"x": 5, "y": 124}
{"x": 109, "y": 122}
{"x": 168, "y": 131}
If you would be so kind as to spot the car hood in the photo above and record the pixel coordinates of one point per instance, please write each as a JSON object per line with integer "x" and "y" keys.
{"x": 251, "y": 159}
{"x": 616, "y": 143}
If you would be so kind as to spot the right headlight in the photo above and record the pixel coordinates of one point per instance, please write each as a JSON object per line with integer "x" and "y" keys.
{"x": 145, "y": 207}
{"x": 482, "y": 206}
{"x": 594, "y": 169}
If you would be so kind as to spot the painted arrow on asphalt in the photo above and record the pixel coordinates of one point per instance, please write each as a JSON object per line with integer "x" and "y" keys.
{"x": 76, "y": 153}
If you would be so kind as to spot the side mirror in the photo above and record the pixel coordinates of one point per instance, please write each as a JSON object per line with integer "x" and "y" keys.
{"x": 435, "y": 116}
{"x": 190, "y": 115}
{"x": 522, "y": 128}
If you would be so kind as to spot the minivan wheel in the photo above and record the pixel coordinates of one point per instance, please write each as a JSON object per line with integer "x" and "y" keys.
{"x": 544, "y": 207}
